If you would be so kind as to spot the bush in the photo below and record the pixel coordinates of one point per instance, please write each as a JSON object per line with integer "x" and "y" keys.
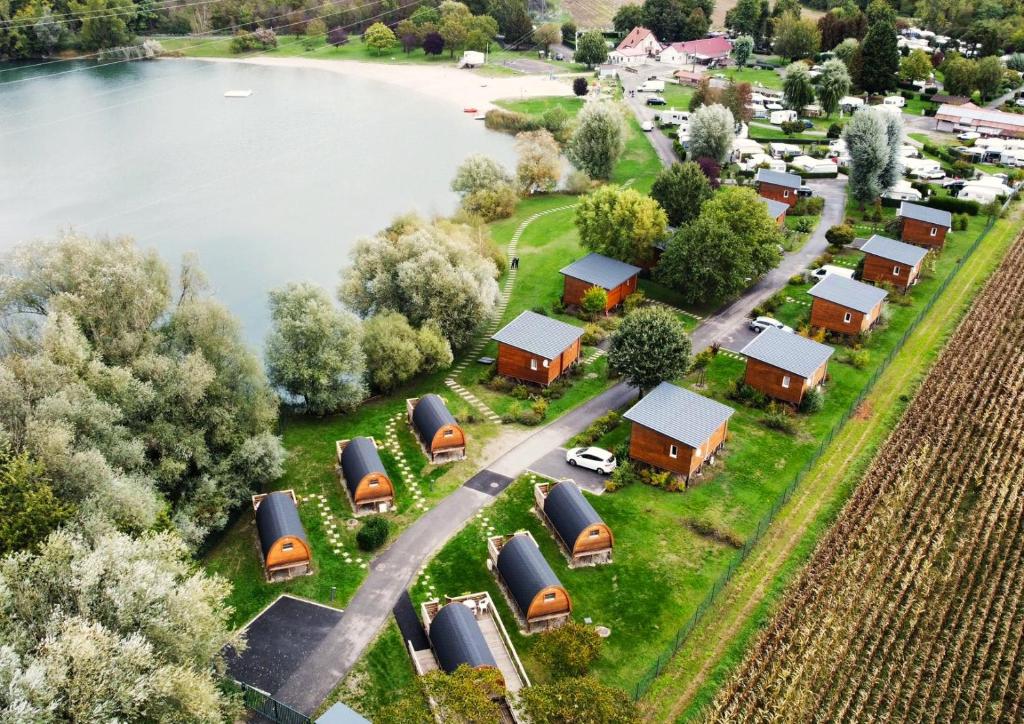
{"x": 521, "y": 392}
{"x": 745, "y": 394}
{"x": 625, "y": 474}
{"x": 373, "y": 534}
{"x": 856, "y": 358}
{"x": 962, "y": 169}
{"x": 500, "y": 383}
{"x": 791, "y": 127}
{"x": 594, "y": 333}
{"x": 634, "y": 301}
{"x": 834, "y": 131}
{"x": 960, "y": 222}
{"x": 498, "y": 119}
{"x": 597, "y": 429}
{"x": 490, "y": 204}
{"x": 539, "y": 407}
{"x": 813, "y": 401}
{"x": 954, "y": 205}
{"x": 337, "y": 36}
{"x": 807, "y": 207}
{"x": 702, "y": 359}
{"x": 804, "y": 225}
{"x": 593, "y": 302}
{"x": 556, "y": 390}
{"x": 840, "y": 235}
{"x": 568, "y": 650}
{"x": 580, "y": 86}
{"x": 779, "y": 417}
{"x": 578, "y": 182}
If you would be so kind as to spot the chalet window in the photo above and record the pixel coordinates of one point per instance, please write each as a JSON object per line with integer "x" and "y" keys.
{"x": 533, "y": 364}
{"x": 673, "y": 451}
{"x": 697, "y": 452}
{"x": 785, "y": 381}
{"x": 287, "y": 546}
{"x": 374, "y": 483}
{"x": 785, "y": 193}
{"x": 896, "y": 271}
{"x": 547, "y": 363}
{"x": 934, "y": 231}
{"x": 549, "y": 597}
{"x": 847, "y": 317}
{"x": 449, "y": 433}
{"x": 595, "y": 533}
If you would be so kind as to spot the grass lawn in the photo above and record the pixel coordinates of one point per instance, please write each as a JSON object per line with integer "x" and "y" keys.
{"x": 754, "y": 76}
{"x": 677, "y": 96}
{"x": 537, "y": 106}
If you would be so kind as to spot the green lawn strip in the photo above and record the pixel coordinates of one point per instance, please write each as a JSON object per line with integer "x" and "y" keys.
{"x": 538, "y": 106}
{"x": 639, "y": 162}
{"x": 796, "y": 240}
{"x": 671, "y": 297}
{"x": 731, "y": 621}
{"x": 677, "y": 96}
{"x": 754, "y": 76}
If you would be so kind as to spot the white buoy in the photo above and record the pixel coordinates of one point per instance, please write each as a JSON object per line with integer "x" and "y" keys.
{"x": 237, "y": 93}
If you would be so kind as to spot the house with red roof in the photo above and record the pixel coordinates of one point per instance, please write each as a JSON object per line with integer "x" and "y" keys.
{"x": 700, "y": 52}
{"x": 636, "y": 48}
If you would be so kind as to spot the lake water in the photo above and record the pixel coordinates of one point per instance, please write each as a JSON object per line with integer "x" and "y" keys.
{"x": 268, "y": 189}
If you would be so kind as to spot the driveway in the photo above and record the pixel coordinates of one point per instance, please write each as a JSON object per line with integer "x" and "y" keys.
{"x": 553, "y": 465}
{"x": 638, "y": 104}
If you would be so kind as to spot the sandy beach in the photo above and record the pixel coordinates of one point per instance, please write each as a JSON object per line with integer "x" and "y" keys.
{"x": 463, "y": 88}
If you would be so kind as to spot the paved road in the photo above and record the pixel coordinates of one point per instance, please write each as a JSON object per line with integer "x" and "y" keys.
{"x": 553, "y": 465}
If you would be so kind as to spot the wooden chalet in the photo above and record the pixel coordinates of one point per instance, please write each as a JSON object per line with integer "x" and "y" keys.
{"x": 923, "y": 225}
{"x": 845, "y": 306}
{"x": 677, "y": 430}
{"x": 531, "y": 587}
{"x": 366, "y": 482}
{"x": 778, "y": 185}
{"x": 537, "y": 349}
{"x": 283, "y": 544}
{"x": 784, "y": 365}
{"x": 887, "y": 261}
{"x": 777, "y": 210}
{"x": 442, "y": 438}
{"x": 617, "y": 278}
{"x": 584, "y": 538}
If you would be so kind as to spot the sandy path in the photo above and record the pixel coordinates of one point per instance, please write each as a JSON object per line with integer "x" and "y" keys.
{"x": 463, "y": 88}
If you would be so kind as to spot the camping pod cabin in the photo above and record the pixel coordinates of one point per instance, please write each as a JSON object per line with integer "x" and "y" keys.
{"x": 778, "y": 185}
{"x": 585, "y": 539}
{"x": 538, "y": 349}
{"x": 457, "y": 640}
{"x": 617, "y": 278}
{"x": 845, "y": 306}
{"x": 923, "y": 225}
{"x": 366, "y": 482}
{"x": 531, "y": 587}
{"x": 442, "y": 438}
{"x": 887, "y": 261}
{"x": 784, "y": 365}
{"x": 776, "y": 210}
{"x": 283, "y": 543}
{"x": 677, "y": 430}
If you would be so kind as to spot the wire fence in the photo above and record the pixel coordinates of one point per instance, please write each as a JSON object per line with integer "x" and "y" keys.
{"x": 267, "y": 706}
{"x": 684, "y": 633}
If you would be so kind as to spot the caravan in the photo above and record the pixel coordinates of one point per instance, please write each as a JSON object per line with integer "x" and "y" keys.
{"x": 777, "y": 118}
{"x": 816, "y": 166}
{"x": 924, "y": 168}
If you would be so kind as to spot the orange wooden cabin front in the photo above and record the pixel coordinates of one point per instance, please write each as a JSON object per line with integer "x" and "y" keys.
{"x": 775, "y": 192}
{"x": 662, "y": 451}
{"x": 522, "y": 365}
{"x": 844, "y": 320}
{"x": 886, "y": 271}
{"x": 923, "y": 233}
{"x": 780, "y": 384}
{"x": 574, "y": 289}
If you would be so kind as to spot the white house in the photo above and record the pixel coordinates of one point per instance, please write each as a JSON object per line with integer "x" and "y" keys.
{"x": 636, "y": 48}
{"x": 703, "y": 51}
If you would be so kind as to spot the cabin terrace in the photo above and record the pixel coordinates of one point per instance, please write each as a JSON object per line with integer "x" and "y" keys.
{"x": 366, "y": 483}
{"x": 583, "y": 537}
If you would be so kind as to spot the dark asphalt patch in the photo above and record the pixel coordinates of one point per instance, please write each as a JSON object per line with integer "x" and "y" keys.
{"x": 552, "y": 465}
{"x": 280, "y": 641}
{"x": 488, "y": 482}
{"x": 409, "y": 623}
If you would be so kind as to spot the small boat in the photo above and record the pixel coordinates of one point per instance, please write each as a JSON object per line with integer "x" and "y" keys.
{"x": 237, "y": 93}
{"x": 480, "y": 117}
{"x": 469, "y": 110}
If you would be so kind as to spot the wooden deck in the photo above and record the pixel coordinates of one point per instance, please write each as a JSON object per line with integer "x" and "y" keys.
{"x": 507, "y": 667}
{"x": 424, "y": 661}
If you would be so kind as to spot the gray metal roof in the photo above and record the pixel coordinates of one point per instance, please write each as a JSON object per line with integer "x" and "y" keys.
{"x": 775, "y": 208}
{"x": 360, "y": 458}
{"x": 601, "y": 271}
{"x": 679, "y": 414}
{"x": 569, "y": 512}
{"x": 277, "y": 517}
{"x": 430, "y": 415}
{"x": 926, "y": 214}
{"x": 849, "y": 293}
{"x": 524, "y": 570}
{"x": 341, "y": 714}
{"x": 539, "y": 335}
{"x": 457, "y": 639}
{"x": 788, "y": 351}
{"x": 779, "y": 178}
{"x": 898, "y": 251}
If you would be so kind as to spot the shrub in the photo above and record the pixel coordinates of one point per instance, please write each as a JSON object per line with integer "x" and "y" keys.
{"x": 539, "y": 407}
{"x": 702, "y": 359}
{"x": 634, "y": 301}
{"x": 373, "y": 534}
{"x": 807, "y": 207}
{"x": 337, "y": 36}
{"x": 960, "y": 222}
{"x": 804, "y": 225}
{"x": 556, "y": 390}
{"x": 580, "y": 86}
{"x": 779, "y": 417}
{"x": 954, "y": 205}
{"x": 840, "y": 235}
{"x": 963, "y": 169}
{"x": 521, "y": 392}
{"x": 791, "y": 127}
{"x": 625, "y": 474}
{"x": 834, "y": 131}
{"x": 593, "y": 302}
{"x": 490, "y": 204}
{"x": 578, "y": 182}
{"x": 797, "y": 279}
{"x": 597, "y": 429}
{"x": 593, "y": 333}
{"x": 856, "y": 358}
{"x": 747, "y": 395}
{"x": 500, "y": 383}
{"x": 498, "y": 119}
{"x": 568, "y": 650}
{"x": 813, "y": 401}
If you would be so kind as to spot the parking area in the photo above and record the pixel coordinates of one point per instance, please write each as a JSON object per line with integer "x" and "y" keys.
{"x": 280, "y": 641}
{"x": 553, "y": 465}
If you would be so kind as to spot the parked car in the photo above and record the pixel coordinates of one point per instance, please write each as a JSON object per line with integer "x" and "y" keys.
{"x": 807, "y": 123}
{"x": 647, "y": 126}
{"x": 968, "y": 136}
{"x": 827, "y": 269}
{"x": 591, "y": 458}
{"x": 804, "y": 192}
{"x": 655, "y": 101}
{"x": 762, "y": 323}
{"x": 559, "y": 56}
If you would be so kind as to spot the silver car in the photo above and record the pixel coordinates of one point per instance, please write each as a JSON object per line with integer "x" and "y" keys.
{"x": 762, "y": 323}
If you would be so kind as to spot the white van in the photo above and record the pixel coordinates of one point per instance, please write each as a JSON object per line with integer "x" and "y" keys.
{"x": 777, "y": 118}
{"x": 652, "y": 86}
{"x": 898, "y": 101}
{"x": 850, "y": 103}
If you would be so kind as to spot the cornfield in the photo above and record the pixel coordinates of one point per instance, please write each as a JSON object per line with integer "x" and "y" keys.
{"x": 912, "y": 606}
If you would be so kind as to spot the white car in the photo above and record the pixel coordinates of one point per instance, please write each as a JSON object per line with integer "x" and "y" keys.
{"x": 969, "y": 136}
{"x": 592, "y": 458}
{"x": 762, "y": 323}
{"x": 647, "y": 126}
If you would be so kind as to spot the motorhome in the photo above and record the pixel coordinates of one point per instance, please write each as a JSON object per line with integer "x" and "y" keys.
{"x": 672, "y": 116}
{"x": 923, "y": 168}
{"x": 817, "y": 166}
{"x": 982, "y": 193}
{"x": 902, "y": 191}
{"x": 777, "y": 118}
{"x": 850, "y": 103}
{"x": 471, "y": 59}
{"x": 783, "y": 150}
{"x": 652, "y": 86}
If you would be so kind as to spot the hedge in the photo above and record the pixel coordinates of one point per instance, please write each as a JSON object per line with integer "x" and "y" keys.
{"x": 954, "y": 205}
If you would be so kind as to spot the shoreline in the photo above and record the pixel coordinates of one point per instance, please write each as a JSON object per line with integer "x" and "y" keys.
{"x": 461, "y": 88}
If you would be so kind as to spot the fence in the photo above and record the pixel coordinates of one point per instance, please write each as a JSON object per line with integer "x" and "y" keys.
{"x": 267, "y": 706}
{"x": 684, "y": 633}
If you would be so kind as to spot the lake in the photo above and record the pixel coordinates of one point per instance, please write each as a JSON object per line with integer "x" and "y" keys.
{"x": 272, "y": 188}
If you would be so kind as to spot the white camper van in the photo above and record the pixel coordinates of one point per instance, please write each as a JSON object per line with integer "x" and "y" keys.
{"x": 777, "y": 118}
{"x": 652, "y": 86}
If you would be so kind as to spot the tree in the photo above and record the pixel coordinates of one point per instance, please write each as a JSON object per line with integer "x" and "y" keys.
{"x": 568, "y": 650}
{"x": 540, "y": 161}
{"x": 796, "y": 38}
{"x": 833, "y": 85}
{"x": 29, "y": 510}
{"x": 620, "y": 223}
{"x": 737, "y": 98}
{"x": 580, "y": 86}
{"x": 867, "y": 144}
{"x": 797, "y": 88}
{"x": 681, "y": 189}
{"x": 395, "y": 352}
{"x": 569, "y": 31}
{"x": 650, "y": 347}
{"x": 105, "y": 23}
{"x": 742, "y": 47}
{"x": 598, "y": 140}
{"x": 433, "y": 44}
{"x": 373, "y": 533}
{"x": 959, "y": 75}
{"x": 628, "y": 17}
{"x": 711, "y": 170}
{"x": 745, "y": 18}
{"x": 503, "y": 12}
{"x": 712, "y": 129}
{"x": 591, "y": 49}
{"x": 519, "y": 28}
{"x": 467, "y": 695}
{"x": 486, "y": 188}
{"x": 454, "y": 28}
{"x": 1016, "y": 62}
{"x": 848, "y": 51}
{"x": 576, "y": 701}
{"x": 337, "y": 36}
{"x": 315, "y": 30}
{"x": 379, "y": 37}
{"x": 715, "y": 256}
{"x": 879, "y": 56}
{"x": 439, "y": 272}
{"x": 989, "y": 76}
{"x": 672, "y": 20}
{"x": 916, "y": 66}
{"x": 410, "y": 34}
{"x": 892, "y": 170}
{"x": 547, "y": 35}
{"x": 840, "y": 235}
{"x": 111, "y": 628}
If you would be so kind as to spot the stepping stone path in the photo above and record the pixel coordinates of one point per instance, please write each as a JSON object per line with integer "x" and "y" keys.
{"x": 798, "y": 301}
{"x": 691, "y": 315}
{"x": 594, "y": 356}
{"x": 730, "y": 354}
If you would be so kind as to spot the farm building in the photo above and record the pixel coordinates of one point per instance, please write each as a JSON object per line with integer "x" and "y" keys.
{"x": 283, "y": 543}
{"x": 532, "y": 588}
{"x": 442, "y": 438}
{"x": 677, "y": 430}
{"x": 537, "y": 349}
{"x": 784, "y": 365}
{"x": 891, "y": 262}
{"x": 923, "y": 225}
{"x": 639, "y": 46}
{"x": 778, "y": 185}
{"x": 777, "y": 210}
{"x": 986, "y": 121}
{"x": 846, "y": 306}
{"x": 702, "y": 51}
{"x": 617, "y": 278}
{"x": 583, "y": 536}
{"x": 366, "y": 482}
